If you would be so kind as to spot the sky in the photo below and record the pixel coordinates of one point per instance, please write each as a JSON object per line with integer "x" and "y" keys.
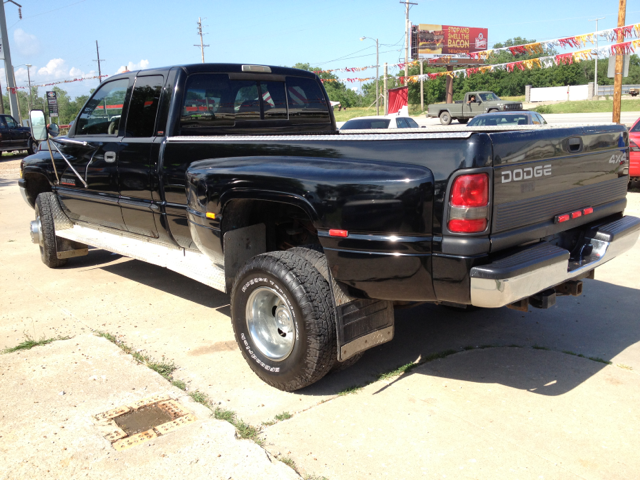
{"x": 59, "y": 38}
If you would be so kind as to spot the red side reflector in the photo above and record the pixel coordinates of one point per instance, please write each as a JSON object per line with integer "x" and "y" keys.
{"x": 468, "y": 226}
{"x": 587, "y": 211}
{"x": 577, "y": 214}
{"x": 338, "y": 233}
{"x": 563, "y": 218}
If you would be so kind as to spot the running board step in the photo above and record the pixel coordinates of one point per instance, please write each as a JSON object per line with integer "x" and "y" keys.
{"x": 191, "y": 264}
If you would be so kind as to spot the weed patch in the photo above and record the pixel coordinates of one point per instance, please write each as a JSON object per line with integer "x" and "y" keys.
{"x": 200, "y": 397}
{"x": 30, "y": 342}
{"x": 243, "y": 429}
{"x": 350, "y": 390}
{"x": 289, "y": 462}
{"x": 398, "y": 371}
{"x": 283, "y": 416}
{"x": 180, "y": 384}
{"x": 164, "y": 368}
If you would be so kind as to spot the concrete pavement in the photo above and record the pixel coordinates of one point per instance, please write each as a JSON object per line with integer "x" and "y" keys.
{"x": 166, "y": 315}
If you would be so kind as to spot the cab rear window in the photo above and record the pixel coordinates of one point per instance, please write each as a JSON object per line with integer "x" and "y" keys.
{"x": 212, "y": 101}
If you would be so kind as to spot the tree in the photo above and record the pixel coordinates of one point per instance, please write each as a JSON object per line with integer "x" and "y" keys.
{"x": 337, "y": 91}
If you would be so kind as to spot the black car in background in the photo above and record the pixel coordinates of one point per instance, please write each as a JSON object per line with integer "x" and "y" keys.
{"x": 14, "y": 137}
{"x": 507, "y": 118}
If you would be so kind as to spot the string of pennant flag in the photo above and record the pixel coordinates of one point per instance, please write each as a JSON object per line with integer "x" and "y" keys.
{"x": 627, "y": 32}
{"x": 15, "y": 89}
{"x": 541, "y": 62}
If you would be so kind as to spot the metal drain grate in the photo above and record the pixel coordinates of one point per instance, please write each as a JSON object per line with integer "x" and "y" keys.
{"x": 136, "y": 423}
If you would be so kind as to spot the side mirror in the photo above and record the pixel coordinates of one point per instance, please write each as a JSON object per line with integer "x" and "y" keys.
{"x": 38, "y": 125}
{"x": 53, "y": 129}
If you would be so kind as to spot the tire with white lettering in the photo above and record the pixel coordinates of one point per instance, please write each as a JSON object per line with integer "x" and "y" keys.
{"x": 314, "y": 254}
{"x": 283, "y": 320}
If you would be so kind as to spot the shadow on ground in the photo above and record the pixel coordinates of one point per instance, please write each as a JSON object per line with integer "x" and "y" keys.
{"x": 601, "y": 324}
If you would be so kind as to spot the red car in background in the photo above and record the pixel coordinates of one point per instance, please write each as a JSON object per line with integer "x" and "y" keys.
{"x": 634, "y": 143}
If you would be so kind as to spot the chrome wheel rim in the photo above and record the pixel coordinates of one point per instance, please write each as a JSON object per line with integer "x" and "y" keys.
{"x": 270, "y": 324}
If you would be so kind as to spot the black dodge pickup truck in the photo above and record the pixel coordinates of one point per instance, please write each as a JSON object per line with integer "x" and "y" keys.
{"x": 235, "y": 175}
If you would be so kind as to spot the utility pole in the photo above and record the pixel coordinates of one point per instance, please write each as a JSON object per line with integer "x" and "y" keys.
{"x": 617, "y": 81}
{"x": 377, "y": 74}
{"x": 202, "y": 45}
{"x": 28, "y": 65}
{"x": 386, "y": 102}
{"x": 98, "y": 60}
{"x": 595, "y": 81}
{"x": 421, "y": 86}
{"x": 8, "y": 67}
{"x": 406, "y": 40}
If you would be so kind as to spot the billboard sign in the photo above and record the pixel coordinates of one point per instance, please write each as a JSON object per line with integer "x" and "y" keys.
{"x": 428, "y": 39}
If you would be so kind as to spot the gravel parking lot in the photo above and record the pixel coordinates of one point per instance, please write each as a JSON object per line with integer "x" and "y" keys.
{"x": 494, "y": 393}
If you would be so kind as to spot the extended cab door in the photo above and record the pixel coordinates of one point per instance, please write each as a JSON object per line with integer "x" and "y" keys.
{"x": 138, "y": 157}
{"x": 93, "y": 152}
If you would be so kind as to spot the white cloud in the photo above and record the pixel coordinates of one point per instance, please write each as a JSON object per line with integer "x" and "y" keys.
{"x": 26, "y": 43}
{"x": 55, "y": 69}
{"x": 134, "y": 66}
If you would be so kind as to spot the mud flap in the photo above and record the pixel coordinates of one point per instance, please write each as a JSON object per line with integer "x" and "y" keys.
{"x": 360, "y": 323}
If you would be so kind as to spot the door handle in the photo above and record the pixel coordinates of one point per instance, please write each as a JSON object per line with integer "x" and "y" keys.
{"x": 110, "y": 157}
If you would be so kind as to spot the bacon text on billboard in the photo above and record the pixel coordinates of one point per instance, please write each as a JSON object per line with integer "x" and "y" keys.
{"x": 446, "y": 39}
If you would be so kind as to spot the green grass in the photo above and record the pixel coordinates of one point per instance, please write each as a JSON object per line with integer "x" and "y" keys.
{"x": 588, "y": 106}
{"x": 283, "y": 416}
{"x": 164, "y": 368}
{"x": 200, "y": 397}
{"x": 517, "y": 98}
{"x": 243, "y": 429}
{"x": 348, "y": 114}
{"x": 180, "y": 384}
{"x": 350, "y": 390}
{"x": 288, "y": 461}
{"x": 397, "y": 371}
{"x": 30, "y": 342}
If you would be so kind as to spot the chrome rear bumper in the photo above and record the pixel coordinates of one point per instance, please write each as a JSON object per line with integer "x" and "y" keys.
{"x": 544, "y": 266}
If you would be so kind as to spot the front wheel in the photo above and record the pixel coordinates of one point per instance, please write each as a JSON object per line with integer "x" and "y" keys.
{"x": 445, "y": 118}
{"x": 463, "y": 120}
{"x": 283, "y": 321}
{"x": 32, "y": 147}
{"x": 43, "y": 231}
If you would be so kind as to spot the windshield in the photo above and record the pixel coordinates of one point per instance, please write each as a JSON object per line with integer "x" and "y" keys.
{"x": 363, "y": 123}
{"x": 489, "y": 97}
{"x": 498, "y": 120}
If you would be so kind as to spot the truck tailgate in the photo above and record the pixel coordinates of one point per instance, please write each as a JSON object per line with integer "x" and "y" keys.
{"x": 544, "y": 173}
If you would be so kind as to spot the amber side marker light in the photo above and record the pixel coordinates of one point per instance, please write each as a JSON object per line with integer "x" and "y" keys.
{"x": 211, "y": 215}
{"x": 338, "y": 233}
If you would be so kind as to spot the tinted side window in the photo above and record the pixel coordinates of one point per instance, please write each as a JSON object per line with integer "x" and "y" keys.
{"x": 412, "y": 123}
{"x": 306, "y": 101}
{"x": 401, "y": 123}
{"x": 208, "y": 102}
{"x": 143, "y": 107}
{"x": 101, "y": 115}
{"x": 3, "y": 124}
{"x": 11, "y": 123}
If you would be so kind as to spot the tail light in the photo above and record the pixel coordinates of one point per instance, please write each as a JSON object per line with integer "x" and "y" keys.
{"x": 468, "y": 203}
{"x": 634, "y": 146}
